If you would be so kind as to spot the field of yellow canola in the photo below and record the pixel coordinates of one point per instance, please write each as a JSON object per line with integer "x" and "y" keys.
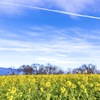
{"x": 50, "y": 87}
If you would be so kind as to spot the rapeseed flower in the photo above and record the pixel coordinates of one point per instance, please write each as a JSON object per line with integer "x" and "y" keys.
{"x": 68, "y": 83}
{"x": 47, "y": 84}
{"x": 63, "y": 89}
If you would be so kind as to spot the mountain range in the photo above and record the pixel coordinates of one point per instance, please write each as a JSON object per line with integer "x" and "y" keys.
{"x": 7, "y": 71}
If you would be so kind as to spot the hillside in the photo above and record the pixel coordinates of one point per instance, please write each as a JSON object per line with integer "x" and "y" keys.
{"x": 6, "y": 71}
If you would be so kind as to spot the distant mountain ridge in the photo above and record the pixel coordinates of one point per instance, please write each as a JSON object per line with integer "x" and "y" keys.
{"x": 7, "y": 71}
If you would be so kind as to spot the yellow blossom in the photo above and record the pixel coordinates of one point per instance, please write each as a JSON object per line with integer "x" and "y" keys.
{"x": 41, "y": 89}
{"x": 68, "y": 83}
{"x": 78, "y": 82}
{"x": 91, "y": 85}
{"x": 10, "y": 98}
{"x": 12, "y": 90}
{"x": 82, "y": 86}
{"x": 47, "y": 84}
{"x": 63, "y": 89}
{"x": 73, "y": 86}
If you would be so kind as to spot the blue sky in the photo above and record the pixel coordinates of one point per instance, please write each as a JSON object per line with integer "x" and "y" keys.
{"x": 37, "y": 35}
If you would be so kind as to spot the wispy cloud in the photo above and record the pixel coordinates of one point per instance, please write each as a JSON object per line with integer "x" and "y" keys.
{"x": 64, "y": 47}
{"x": 77, "y": 6}
{"x": 16, "y": 9}
{"x": 71, "y": 7}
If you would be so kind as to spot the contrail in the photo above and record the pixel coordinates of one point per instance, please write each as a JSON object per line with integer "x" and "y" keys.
{"x": 50, "y": 10}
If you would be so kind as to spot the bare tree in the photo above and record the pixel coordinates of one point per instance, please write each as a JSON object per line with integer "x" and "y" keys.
{"x": 90, "y": 68}
{"x": 26, "y": 69}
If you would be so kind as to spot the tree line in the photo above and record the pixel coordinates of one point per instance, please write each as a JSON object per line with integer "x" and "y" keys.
{"x": 52, "y": 69}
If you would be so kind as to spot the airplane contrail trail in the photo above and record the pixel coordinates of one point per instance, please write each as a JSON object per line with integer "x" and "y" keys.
{"x": 51, "y": 10}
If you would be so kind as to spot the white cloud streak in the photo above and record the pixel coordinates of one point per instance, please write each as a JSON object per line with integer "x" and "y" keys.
{"x": 60, "y": 48}
{"x": 55, "y": 11}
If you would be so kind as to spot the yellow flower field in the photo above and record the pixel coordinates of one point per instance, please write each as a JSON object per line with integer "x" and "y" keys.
{"x": 50, "y": 87}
